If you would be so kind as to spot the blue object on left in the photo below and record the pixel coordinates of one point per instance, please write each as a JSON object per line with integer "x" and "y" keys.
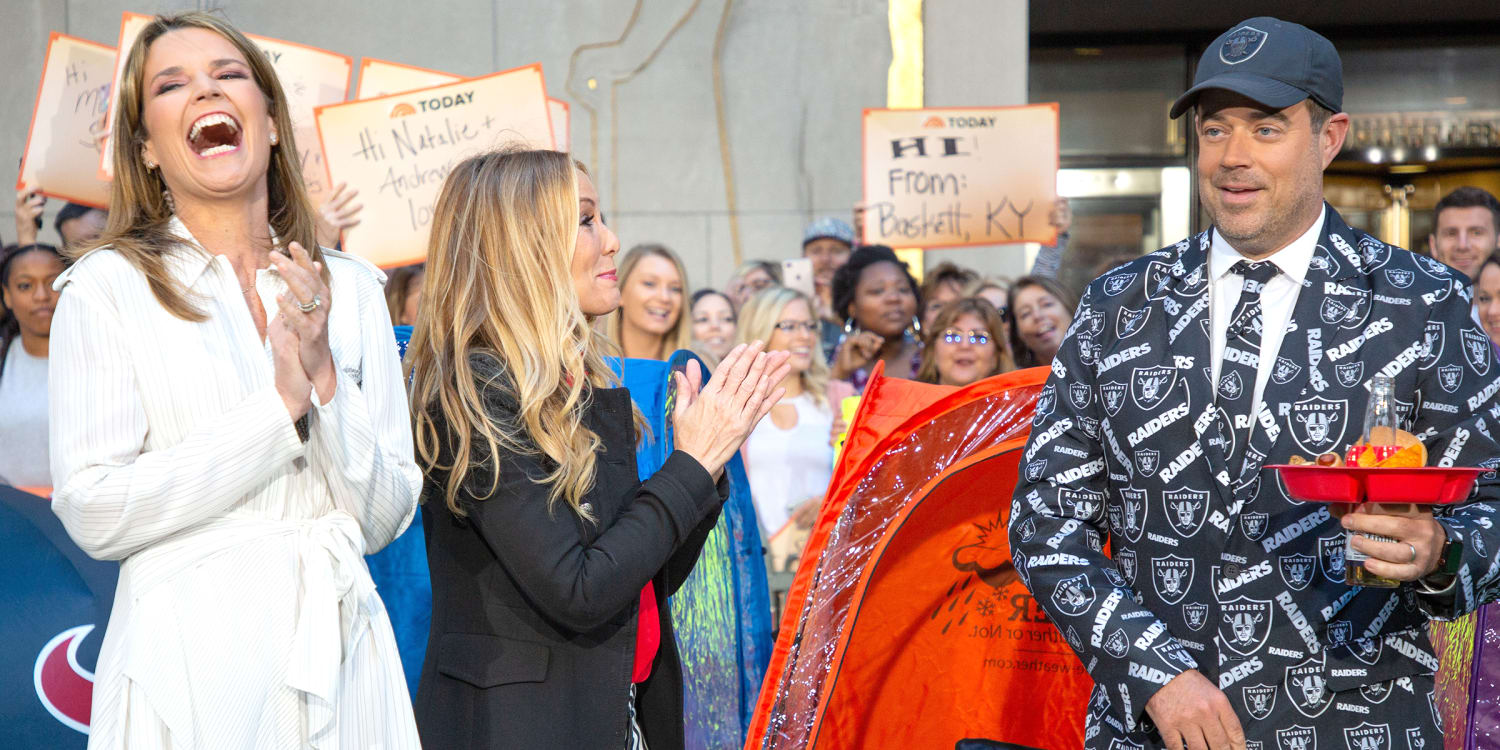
{"x": 725, "y": 600}
{"x": 400, "y": 575}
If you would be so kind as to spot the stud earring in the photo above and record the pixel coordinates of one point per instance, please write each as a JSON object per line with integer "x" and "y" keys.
{"x": 274, "y": 138}
{"x": 150, "y": 165}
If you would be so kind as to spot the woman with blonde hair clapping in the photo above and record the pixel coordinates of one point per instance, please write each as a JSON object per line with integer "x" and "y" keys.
{"x": 551, "y": 562}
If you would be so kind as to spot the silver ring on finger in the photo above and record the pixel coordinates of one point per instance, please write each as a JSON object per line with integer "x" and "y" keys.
{"x": 308, "y": 307}
{"x": 1413, "y": 549}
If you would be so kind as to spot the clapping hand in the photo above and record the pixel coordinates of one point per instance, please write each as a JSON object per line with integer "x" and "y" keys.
{"x": 712, "y": 421}
{"x": 304, "y": 311}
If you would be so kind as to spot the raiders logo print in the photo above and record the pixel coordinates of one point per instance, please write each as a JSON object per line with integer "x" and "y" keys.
{"x": 1414, "y": 739}
{"x": 1253, "y": 525}
{"x": 1231, "y": 386}
{"x": 1372, "y": 253}
{"x": 1307, "y": 689}
{"x": 1296, "y": 738}
{"x": 1437, "y": 718}
{"x": 1099, "y": 701}
{"x": 1450, "y": 377}
{"x": 1090, "y": 427}
{"x": 1245, "y": 624}
{"x": 1317, "y": 423}
{"x": 1400, "y": 278}
{"x": 1158, "y": 280}
{"x": 1132, "y": 513}
{"x": 1242, "y": 44}
{"x": 1335, "y": 311}
{"x": 1331, "y": 555}
{"x": 1186, "y": 510}
{"x": 1222, "y": 427}
{"x": 1028, "y": 530}
{"x": 1080, "y": 394}
{"x": 1478, "y": 350}
{"x": 1285, "y": 371}
{"x": 1433, "y": 338}
{"x": 1071, "y": 636}
{"x": 1046, "y": 401}
{"x": 1093, "y": 323}
{"x": 1432, "y": 267}
{"x": 1377, "y": 693}
{"x": 1118, "y": 283}
{"x": 1349, "y": 373}
{"x": 1150, "y": 386}
{"x": 1130, "y": 322}
{"x": 1023, "y": 570}
{"x": 1113, "y": 576}
{"x": 1082, "y": 504}
{"x": 1125, "y": 561}
{"x": 1073, "y": 596}
{"x": 1254, "y": 745}
{"x": 1172, "y": 576}
{"x": 1113, "y": 395}
{"x": 1173, "y": 653}
{"x": 1259, "y": 700}
{"x": 1035, "y": 470}
{"x": 1322, "y": 260}
{"x": 1297, "y": 570}
{"x": 1369, "y": 736}
{"x": 1147, "y": 461}
{"x": 1339, "y": 632}
{"x": 1195, "y": 614}
{"x": 1119, "y": 744}
{"x": 1367, "y": 650}
{"x": 1117, "y": 644}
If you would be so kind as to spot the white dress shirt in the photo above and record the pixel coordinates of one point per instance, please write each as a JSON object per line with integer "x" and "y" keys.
{"x": 244, "y": 614}
{"x": 1276, "y": 302}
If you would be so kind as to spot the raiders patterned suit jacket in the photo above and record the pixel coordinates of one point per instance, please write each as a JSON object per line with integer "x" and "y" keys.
{"x": 1235, "y": 578}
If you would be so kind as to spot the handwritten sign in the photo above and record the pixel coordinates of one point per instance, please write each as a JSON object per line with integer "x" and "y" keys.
{"x": 397, "y": 150}
{"x": 62, "y": 146}
{"x": 960, "y": 176}
{"x": 311, "y": 78}
{"x": 382, "y": 77}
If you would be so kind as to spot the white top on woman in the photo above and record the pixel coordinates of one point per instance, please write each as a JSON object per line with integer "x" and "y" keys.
{"x": 23, "y": 419}
{"x": 786, "y": 467}
{"x": 244, "y": 614}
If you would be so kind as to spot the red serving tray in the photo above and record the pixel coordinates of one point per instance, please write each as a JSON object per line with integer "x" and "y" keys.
{"x": 1349, "y": 484}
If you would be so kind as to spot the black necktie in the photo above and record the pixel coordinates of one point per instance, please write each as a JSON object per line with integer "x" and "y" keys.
{"x": 1242, "y": 358}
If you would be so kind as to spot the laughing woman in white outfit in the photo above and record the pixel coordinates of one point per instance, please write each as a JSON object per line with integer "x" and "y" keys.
{"x": 228, "y": 421}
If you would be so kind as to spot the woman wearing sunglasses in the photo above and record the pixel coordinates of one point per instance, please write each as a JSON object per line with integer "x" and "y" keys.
{"x": 963, "y": 344}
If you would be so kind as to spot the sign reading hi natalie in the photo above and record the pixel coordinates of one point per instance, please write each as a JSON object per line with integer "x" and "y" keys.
{"x": 62, "y": 147}
{"x": 397, "y": 150}
{"x": 382, "y": 77}
{"x": 960, "y": 176}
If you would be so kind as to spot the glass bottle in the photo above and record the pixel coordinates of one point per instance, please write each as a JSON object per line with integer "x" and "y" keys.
{"x": 1380, "y": 437}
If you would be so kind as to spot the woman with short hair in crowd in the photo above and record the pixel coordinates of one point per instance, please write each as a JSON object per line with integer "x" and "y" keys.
{"x": 878, "y": 298}
{"x": 27, "y": 301}
{"x": 551, "y": 561}
{"x": 963, "y": 344}
{"x": 228, "y": 420}
{"x": 788, "y": 457}
{"x": 752, "y": 276}
{"x": 651, "y": 321}
{"x": 1042, "y": 309}
{"x": 403, "y": 293}
{"x": 714, "y": 322}
{"x": 942, "y": 284}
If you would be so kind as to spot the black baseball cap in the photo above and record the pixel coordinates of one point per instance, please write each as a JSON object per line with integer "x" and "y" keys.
{"x": 1270, "y": 61}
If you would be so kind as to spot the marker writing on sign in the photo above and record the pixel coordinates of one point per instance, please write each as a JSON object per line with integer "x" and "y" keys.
{"x": 953, "y": 216}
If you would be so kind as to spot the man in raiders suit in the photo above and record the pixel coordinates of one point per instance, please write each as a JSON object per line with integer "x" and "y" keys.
{"x": 1223, "y": 619}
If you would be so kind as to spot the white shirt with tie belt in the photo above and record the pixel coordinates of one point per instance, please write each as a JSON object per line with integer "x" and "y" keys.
{"x": 244, "y": 616}
{"x": 1276, "y": 302}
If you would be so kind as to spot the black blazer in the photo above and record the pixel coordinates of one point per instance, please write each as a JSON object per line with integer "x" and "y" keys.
{"x": 534, "y": 611}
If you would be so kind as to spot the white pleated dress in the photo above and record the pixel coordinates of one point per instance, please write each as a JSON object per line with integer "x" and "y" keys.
{"x": 245, "y": 616}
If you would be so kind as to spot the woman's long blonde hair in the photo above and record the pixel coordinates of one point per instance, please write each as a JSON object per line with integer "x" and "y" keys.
{"x": 680, "y": 335}
{"x": 500, "y": 314}
{"x": 139, "y": 214}
{"x": 758, "y": 322}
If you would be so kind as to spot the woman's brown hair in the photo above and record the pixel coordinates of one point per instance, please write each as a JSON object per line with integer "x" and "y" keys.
{"x": 1024, "y": 356}
{"x": 951, "y": 312}
{"x": 139, "y": 213}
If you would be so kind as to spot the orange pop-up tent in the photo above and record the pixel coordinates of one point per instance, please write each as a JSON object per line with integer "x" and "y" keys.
{"x": 906, "y": 626}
